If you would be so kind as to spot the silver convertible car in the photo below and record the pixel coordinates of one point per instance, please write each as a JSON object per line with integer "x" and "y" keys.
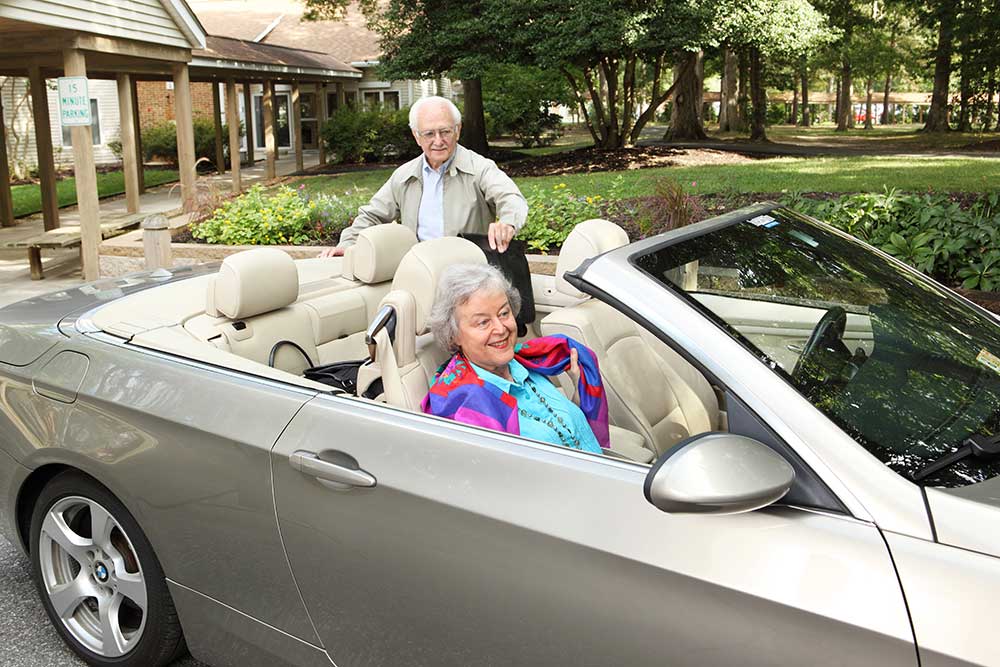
{"x": 803, "y": 466}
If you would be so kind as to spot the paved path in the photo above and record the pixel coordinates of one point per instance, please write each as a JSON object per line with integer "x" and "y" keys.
{"x": 27, "y": 639}
{"x": 164, "y": 198}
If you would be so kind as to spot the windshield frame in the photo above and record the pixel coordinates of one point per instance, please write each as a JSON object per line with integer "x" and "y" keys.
{"x": 917, "y": 281}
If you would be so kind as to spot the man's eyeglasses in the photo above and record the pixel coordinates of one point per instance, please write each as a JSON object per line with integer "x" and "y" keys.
{"x": 444, "y": 133}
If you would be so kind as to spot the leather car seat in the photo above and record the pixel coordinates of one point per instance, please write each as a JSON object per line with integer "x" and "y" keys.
{"x": 651, "y": 389}
{"x": 256, "y": 290}
{"x": 408, "y": 358}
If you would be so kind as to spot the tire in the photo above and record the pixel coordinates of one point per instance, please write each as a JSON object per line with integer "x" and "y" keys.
{"x": 107, "y": 597}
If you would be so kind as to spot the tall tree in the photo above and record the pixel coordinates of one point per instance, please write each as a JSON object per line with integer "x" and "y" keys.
{"x": 846, "y": 17}
{"x": 686, "y": 121}
{"x": 944, "y": 14}
{"x": 778, "y": 32}
{"x": 616, "y": 54}
{"x": 425, "y": 39}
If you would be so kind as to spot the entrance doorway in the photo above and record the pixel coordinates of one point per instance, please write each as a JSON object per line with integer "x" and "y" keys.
{"x": 281, "y": 106}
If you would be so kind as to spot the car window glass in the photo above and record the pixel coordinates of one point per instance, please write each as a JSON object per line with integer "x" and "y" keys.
{"x": 900, "y": 363}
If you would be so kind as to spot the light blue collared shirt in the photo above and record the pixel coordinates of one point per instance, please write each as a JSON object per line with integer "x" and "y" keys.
{"x": 430, "y": 219}
{"x": 573, "y": 428}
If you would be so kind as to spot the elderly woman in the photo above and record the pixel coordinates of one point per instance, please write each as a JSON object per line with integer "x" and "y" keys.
{"x": 490, "y": 381}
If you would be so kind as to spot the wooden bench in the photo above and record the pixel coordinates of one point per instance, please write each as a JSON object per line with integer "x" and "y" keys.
{"x": 67, "y": 237}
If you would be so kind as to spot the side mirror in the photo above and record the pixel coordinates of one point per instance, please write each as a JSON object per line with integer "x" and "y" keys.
{"x": 718, "y": 473}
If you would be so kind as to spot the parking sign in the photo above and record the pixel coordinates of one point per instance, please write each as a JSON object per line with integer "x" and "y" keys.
{"x": 74, "y": 101}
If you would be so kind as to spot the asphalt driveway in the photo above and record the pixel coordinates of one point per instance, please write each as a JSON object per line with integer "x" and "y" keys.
{"x": 27, "y": 639}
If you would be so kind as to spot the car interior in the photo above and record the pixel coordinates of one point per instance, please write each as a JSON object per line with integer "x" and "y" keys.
{"x": 266, "y": 314}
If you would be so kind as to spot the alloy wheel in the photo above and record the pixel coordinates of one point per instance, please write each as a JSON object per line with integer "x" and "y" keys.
{"x": 92, "y": 576}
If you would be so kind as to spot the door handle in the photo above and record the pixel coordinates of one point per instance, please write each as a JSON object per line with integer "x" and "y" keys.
{"x": 347, "y": 472}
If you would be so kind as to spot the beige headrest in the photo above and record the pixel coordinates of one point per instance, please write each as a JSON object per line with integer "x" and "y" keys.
{"x": 253, "y": 282}
{"x": 421, "y": 268}
{"x": 377, "y": 252}
{"x": 588, "y": 239}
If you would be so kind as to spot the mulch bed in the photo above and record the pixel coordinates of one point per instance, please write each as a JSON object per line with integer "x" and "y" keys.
{"x": 991, "y": 146}
{"x": 580, "y": 161}
{"x": 587, "y": 160}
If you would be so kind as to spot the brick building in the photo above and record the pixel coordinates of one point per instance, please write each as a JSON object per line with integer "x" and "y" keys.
{"x": 156, "y": 101}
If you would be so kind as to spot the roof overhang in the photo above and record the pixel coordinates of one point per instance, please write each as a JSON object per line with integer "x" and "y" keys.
{"x": 186, "y": 22}
{"x": 257, "y": 69}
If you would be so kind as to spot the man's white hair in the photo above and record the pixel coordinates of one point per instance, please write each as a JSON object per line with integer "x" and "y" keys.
{"x": 434, "y": 99}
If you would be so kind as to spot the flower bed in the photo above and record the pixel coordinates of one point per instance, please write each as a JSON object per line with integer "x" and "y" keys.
{"x": 285, "y": 216}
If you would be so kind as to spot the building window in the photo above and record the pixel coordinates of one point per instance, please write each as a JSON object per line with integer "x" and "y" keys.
{"x": 371, "y": 101}
{"x": 95, "y": 127}
{"x": 306, "y": 105}
{"x": 351, "y": 99}
{"x": 390, "y": 100}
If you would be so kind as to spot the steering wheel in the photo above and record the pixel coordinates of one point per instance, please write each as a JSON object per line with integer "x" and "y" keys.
{"x": 826, "y": 336}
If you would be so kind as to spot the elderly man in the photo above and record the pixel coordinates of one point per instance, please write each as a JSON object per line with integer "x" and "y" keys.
{"x": 446, "y": 191}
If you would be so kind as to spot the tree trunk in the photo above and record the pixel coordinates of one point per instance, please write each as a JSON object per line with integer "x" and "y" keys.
{"x": 868, "y": 103}
{"x": 805, "y": 99}
{"x": 474, "y": 120}
{"x": 991, "y": 91}
{"x": 685, "y": 122}
{"x": 729, "y": 109}
{"x": 965, "y": 99}
{"x": 836, "y": 101}
{"x": 794, "y": 120}
{"x": 937, "y": 116}
{"x": 887, "y": 117}
{"x": 845, "y": 115}
{"x": 742, "y": 100}
{"x": 759, "y": 95}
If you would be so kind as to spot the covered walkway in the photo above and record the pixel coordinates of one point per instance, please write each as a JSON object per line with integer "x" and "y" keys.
{"x": 165, "y": 43}
{"x": 62, "y": 266}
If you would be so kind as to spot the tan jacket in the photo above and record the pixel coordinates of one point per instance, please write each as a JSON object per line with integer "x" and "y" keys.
{"x": 476, "y": 193}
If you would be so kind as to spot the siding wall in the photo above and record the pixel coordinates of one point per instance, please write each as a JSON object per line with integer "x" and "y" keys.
{"x": 106, "y": 94}
{"x": 142, "y": 20}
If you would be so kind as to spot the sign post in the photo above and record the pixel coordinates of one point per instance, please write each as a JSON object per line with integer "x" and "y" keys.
{"x": 74, "y": 101}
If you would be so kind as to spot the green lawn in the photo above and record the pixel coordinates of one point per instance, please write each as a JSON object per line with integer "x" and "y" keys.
{"x": 28, "y": 198}
{"x": 825, "y": 174}
{"x": 880, "y": 138}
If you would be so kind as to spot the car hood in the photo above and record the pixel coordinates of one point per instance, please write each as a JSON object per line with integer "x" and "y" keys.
{"x": 29, "y": 328}
{"x": 968, "y": 517}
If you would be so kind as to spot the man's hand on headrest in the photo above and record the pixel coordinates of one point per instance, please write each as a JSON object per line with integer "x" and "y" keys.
{"x": 500, "y": 234}
{"x": 336, "y": 251}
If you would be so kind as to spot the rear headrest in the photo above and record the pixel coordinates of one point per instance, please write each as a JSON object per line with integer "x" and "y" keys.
{"x": 375, "y": 255}
{"x": 421, "y": 268}
{"x": 588, "y": 239}
{"x": 253, "y": 282}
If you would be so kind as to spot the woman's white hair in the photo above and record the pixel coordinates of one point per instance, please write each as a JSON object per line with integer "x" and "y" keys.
{"x": 457, "y": 285}
{"x": 434, "y": 99}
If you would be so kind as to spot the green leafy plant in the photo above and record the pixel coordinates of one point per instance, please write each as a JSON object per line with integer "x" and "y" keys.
{"x": 951, "y": 240}
{"x": 159, "y": 142}
{"x": 552, "y": 214}
{"x": 369, "y": 136}
{"x": 287, "y": 216}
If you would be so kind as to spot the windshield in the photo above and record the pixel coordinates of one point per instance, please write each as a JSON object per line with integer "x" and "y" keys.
{"x": 900, "y": 363}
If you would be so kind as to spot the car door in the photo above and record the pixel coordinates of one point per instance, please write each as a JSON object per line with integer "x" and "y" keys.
{"x": 475, "y": 548}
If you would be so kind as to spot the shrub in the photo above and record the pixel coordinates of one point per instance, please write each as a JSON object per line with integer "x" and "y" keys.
{"x": 369, "y": 136}
{"x": 552, "y": 214}
{"x": 538, "y": 129}
{"x": 160, "y": 141}
{"x": 776, "y": 114}
{"x": 286, "y": 216}
{"x": 517, "y": 99}
{"x": 934, "y": 233}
